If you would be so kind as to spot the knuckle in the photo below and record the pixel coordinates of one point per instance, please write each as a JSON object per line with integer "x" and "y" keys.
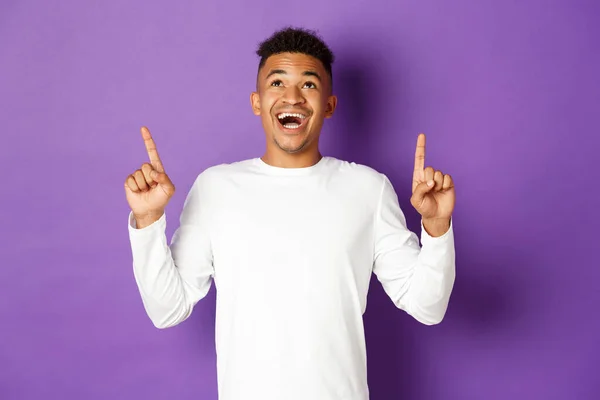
{"x": 146, "y": 170}
{"x": 130, "y": 183}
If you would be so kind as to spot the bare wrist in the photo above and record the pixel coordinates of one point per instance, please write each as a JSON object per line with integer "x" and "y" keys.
{"x": 142, "y": 221}
{"x": 436, "y": 227}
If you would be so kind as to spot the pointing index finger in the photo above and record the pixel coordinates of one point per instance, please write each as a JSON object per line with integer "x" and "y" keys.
{"x": 151, "y": 149}
{"x": 420, "y": 156}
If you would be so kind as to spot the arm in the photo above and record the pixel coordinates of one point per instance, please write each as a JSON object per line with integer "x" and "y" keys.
{"x": 171, "y": 280}
{"x": 418, "y": 279}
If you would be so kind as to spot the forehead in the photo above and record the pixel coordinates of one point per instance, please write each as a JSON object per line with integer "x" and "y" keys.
{"x": 293, "y": 63}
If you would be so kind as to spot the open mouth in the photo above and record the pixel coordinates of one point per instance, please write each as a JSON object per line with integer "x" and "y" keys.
{"x": 291, "y": 120}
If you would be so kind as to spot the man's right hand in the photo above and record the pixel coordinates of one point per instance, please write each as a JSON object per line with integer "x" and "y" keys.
{"x": 149, "y": 189}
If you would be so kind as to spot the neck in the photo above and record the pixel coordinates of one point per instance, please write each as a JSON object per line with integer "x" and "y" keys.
{"x": 285, "y": 160}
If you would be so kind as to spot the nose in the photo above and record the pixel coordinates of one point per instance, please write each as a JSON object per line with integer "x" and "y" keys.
{"x": 293, "y": 96}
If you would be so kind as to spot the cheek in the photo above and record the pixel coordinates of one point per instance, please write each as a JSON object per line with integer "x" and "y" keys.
{"x": 317, "y": 102}
{"x": 266, "y": 103}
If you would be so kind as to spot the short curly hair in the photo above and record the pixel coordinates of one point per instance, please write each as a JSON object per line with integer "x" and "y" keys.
{"x": 296, "y": 40}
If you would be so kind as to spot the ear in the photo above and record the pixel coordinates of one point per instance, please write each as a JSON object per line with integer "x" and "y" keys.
{"x": 330, "y": 106}
{"x": 255, "y": 103}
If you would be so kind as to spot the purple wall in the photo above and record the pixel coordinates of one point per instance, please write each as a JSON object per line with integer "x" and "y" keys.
{"x": 507, "y": 91}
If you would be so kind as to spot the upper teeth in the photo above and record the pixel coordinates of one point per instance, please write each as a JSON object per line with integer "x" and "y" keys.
{"x": 285, "y": 115}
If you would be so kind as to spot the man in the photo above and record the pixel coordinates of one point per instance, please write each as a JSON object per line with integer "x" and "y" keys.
{"x": 291, "y": 239}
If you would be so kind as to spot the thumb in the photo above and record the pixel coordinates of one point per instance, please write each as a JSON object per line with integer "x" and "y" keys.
{"x": 421, "y": 190}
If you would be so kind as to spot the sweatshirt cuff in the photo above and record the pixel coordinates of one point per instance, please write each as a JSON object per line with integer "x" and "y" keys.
{"x": 438, "y": 252}
{"x": 427, "y": 239}
{"x": 158, "y": 225}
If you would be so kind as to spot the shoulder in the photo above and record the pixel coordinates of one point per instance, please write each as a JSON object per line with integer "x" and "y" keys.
{"x": 222, "y": 171}
{"x": 359, "y": 173}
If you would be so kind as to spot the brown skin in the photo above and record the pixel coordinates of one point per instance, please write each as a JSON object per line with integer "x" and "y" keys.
{"x": 433, "y": 194}
{"x": 291, "y": 82}
{"x": 148, "y": 189}
{"x": 292, "y": 90}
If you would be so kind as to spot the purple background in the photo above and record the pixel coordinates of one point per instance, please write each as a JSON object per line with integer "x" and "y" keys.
{"x": 507, "y": 91}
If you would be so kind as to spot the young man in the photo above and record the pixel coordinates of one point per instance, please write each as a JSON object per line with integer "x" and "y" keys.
{"x": 291, "y": 239}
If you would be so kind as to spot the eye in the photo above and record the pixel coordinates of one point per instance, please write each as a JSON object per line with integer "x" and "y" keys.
{"x": 277, "y": 83}
{"x": 310, "y": 85}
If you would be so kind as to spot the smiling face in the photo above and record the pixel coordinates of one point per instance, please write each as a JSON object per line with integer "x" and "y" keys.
{"x": 293, "y": 98}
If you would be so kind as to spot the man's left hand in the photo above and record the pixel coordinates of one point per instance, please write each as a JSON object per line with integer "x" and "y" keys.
{"x": 433, "y": 193}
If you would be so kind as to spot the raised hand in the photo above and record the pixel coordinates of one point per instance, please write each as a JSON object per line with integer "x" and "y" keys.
{"x": 433, "y": 193}
{"x": 148, "y": 189}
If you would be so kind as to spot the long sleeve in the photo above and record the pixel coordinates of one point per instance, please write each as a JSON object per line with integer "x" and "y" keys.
{"x": 172, "y": 279}
{"x": 418, "y": 279}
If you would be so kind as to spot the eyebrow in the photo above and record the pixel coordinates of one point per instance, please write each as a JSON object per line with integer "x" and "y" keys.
{"x": 284, "y": 72}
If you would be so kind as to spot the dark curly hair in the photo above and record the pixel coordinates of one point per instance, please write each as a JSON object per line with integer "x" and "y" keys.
{"x": 296, "y": 40}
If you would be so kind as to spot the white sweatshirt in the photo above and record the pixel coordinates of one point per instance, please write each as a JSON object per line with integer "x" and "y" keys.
{"x": 291, "y": 252}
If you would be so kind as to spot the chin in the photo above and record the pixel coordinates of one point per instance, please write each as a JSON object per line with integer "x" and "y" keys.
{"x": 291, "y": 142}
{"x": 292, "y": 148}
{"x": 296, "y": 150}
